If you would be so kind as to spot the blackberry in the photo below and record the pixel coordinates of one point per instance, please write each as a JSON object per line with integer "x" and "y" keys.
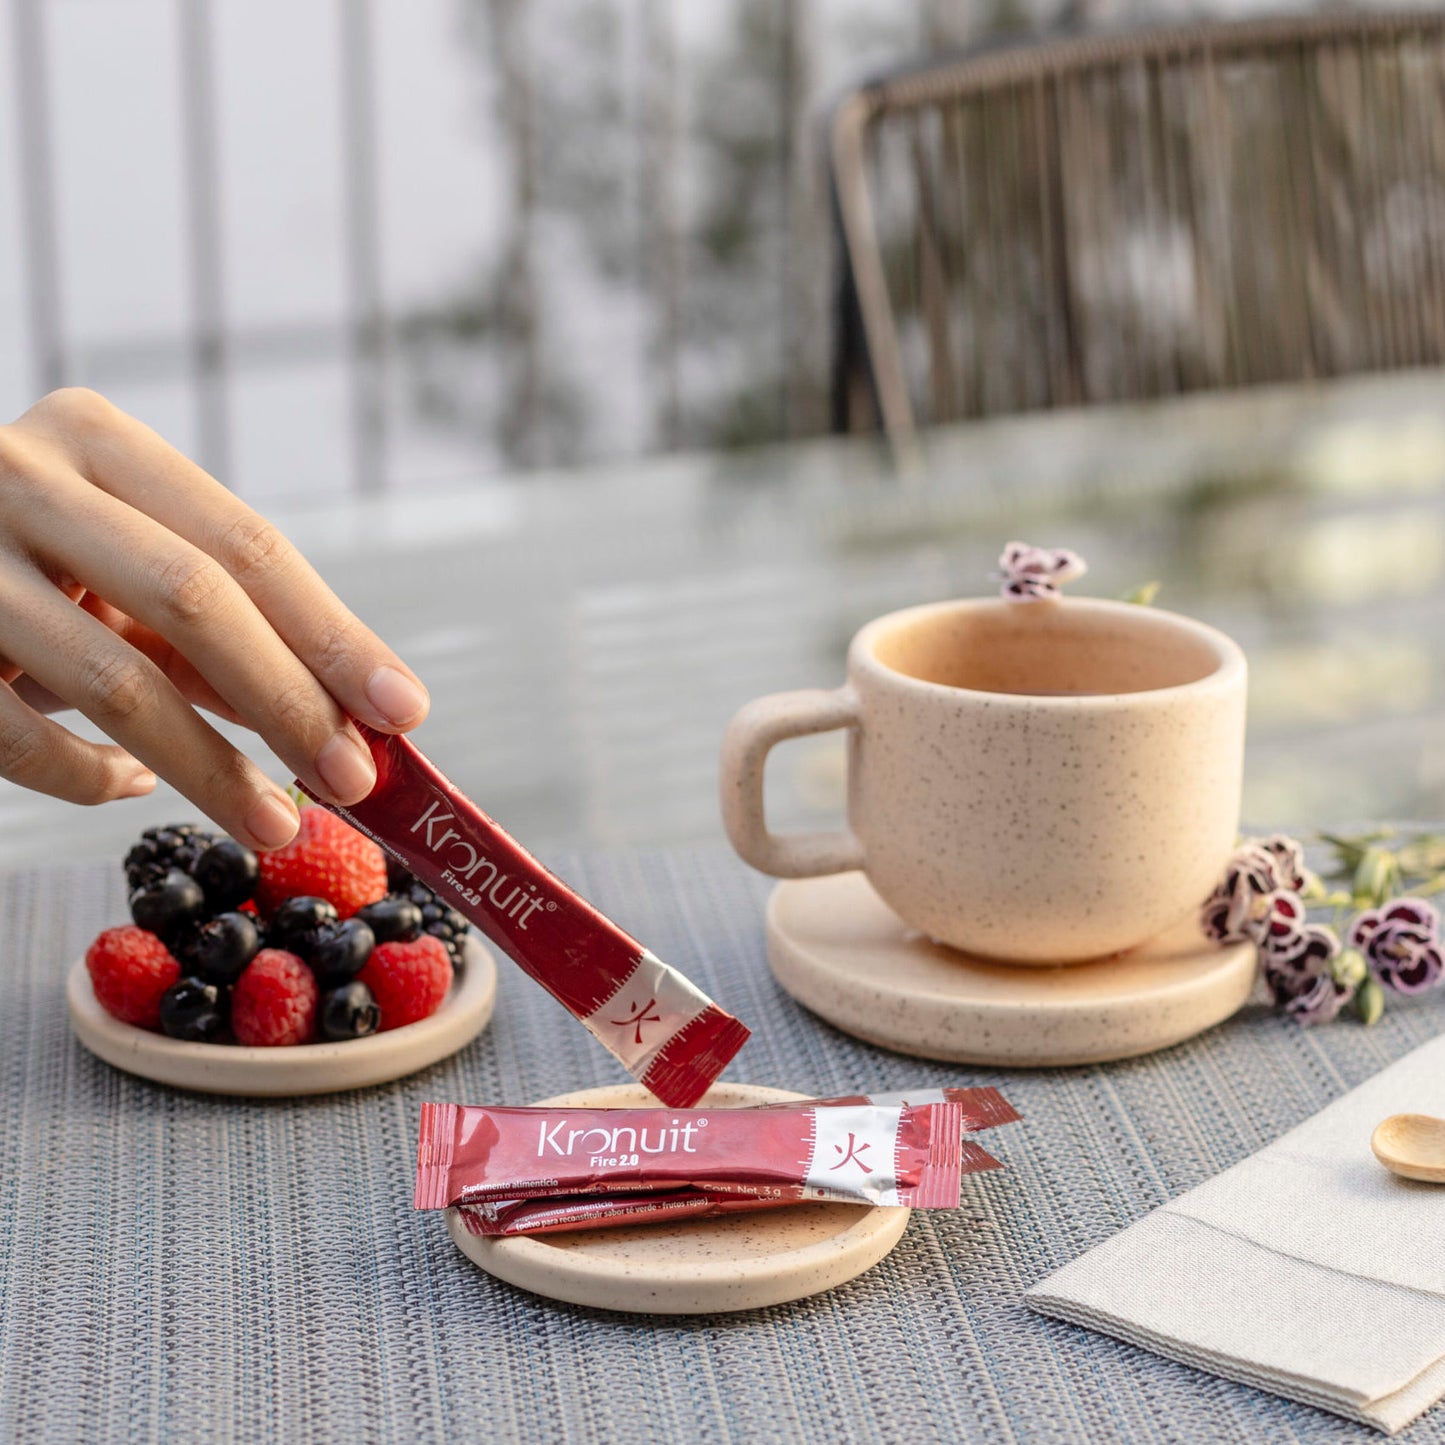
{"x": 178, "y": 845}
{"x": 437, "y": 918}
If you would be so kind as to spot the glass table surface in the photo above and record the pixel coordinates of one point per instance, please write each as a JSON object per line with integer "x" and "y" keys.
{"x": 586, "y": 635}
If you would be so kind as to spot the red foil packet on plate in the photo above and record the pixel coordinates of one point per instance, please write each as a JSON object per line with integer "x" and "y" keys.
{"x": 666, "y": 1033}
{"x": 852, "y": 1153}
{"x": 509, "y": 1217}
{"x": 981, "y": 1108}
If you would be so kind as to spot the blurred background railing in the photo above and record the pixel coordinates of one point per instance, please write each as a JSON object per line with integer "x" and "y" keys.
{"x": 369, "y": 245}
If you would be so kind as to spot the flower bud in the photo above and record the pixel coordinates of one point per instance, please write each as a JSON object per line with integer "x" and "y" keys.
{"x": 1376, "y": 878}
{"x": 1349, "y": 968}
{"x": 1369, "y": 1001}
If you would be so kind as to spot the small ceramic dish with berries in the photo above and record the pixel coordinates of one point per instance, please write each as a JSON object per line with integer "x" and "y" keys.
{"x": 320, "y": 967}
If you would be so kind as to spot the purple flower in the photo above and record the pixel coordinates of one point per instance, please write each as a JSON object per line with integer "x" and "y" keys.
{"x": 1279, "y": 925}
{"x": 1318, "y": 1001}
{"x": 1302, "y": 983}
{"x": 1254, "y": 867}
{"x": 1287, "y": 862}
{"x": 1217, "y": 919}
{"x": 1030, "y": 573}
{"x": 1401, "y": 944}
{"x": 1232, "y": 913}
{"x": 1027, "y": 589}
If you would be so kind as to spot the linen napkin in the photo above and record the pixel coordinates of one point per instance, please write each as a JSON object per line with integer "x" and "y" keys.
{"x": 1306, "y": 1269}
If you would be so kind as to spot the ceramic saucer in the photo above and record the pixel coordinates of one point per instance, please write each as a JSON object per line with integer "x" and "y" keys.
{"x": 303, "y": 1069}
{"x": 842, "y": 952}
{"x": 694, "y": 1266}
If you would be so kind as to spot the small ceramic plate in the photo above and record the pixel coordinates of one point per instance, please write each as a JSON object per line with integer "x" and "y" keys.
{"x": 302, "y": 1069}
{"x": 840, "y": 950}
{"x": 694, "y": 1266}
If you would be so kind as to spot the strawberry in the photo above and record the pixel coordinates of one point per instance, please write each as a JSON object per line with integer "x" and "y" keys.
{"x": 130, "y": 970}
{"x": 408, "y": 980}
{"x": 274, "y": 1001}
{"x": 327, "y": 859}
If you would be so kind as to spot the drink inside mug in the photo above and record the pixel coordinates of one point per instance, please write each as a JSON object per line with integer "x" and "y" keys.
{"x": 1047, "y": 649}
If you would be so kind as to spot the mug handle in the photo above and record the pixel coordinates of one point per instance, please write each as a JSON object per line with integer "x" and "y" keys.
{"x": 750, "y": 737}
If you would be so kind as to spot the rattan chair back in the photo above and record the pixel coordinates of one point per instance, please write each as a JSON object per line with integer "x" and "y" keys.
{"x": 1103, "y": 218}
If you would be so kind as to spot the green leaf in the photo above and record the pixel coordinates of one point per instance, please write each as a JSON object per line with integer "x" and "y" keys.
{"x": 1348, "y": 852}
{"x": 1369, "y": 1002}
{"x": 1143, "y": 595}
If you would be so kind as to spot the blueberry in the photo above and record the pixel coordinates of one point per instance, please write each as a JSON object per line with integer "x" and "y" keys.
{"x": 193, "y": 1009}
{"x": 221, "y": 949}
{"x": 348, "y": 1012}
{"x": 228, "y": 872}
{"x": 170, "y": 907}
{"x": 339, "y": 951}
{"x": 392, "y": 920}
{"x": 294, "y": 925}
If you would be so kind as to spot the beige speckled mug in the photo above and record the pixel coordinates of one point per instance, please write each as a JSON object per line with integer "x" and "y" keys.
{"x": 1040, "y": 782}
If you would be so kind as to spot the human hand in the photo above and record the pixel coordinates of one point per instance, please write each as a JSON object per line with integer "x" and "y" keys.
{"x": 137, "y": 589}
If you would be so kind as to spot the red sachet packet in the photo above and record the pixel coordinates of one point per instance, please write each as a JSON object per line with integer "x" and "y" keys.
{"x": 983, "y": 1108}
{"x": 665, "y": 1032}
{"x": 558, "y": 1215}
{"x": 863, "y": 1153}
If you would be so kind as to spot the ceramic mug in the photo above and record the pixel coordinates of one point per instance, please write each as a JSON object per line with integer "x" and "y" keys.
{"x": 1035, "y": 782}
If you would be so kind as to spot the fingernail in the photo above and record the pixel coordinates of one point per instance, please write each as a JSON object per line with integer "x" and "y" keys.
{"x": 395, "y": 696}
{"x": 273, "y": 821}
{"x": 346, "y": 768}
{"x": 139, "y": 786}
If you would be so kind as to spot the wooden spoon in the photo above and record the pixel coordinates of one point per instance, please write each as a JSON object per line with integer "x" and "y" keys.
{"x": 1411, "y": 1145}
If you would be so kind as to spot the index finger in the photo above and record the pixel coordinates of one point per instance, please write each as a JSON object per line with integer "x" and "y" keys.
{"x": 124, "y": 457}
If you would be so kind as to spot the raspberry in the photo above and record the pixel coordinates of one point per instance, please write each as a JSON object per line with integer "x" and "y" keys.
{"x": 274, "y": 1001}
{"x": 130, "y": 970}
{"x": 408, "y": 980}
{"x": 327, "y": 859}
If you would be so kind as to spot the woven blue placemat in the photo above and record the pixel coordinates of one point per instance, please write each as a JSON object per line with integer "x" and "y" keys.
{"x": 180, "y": 1268}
